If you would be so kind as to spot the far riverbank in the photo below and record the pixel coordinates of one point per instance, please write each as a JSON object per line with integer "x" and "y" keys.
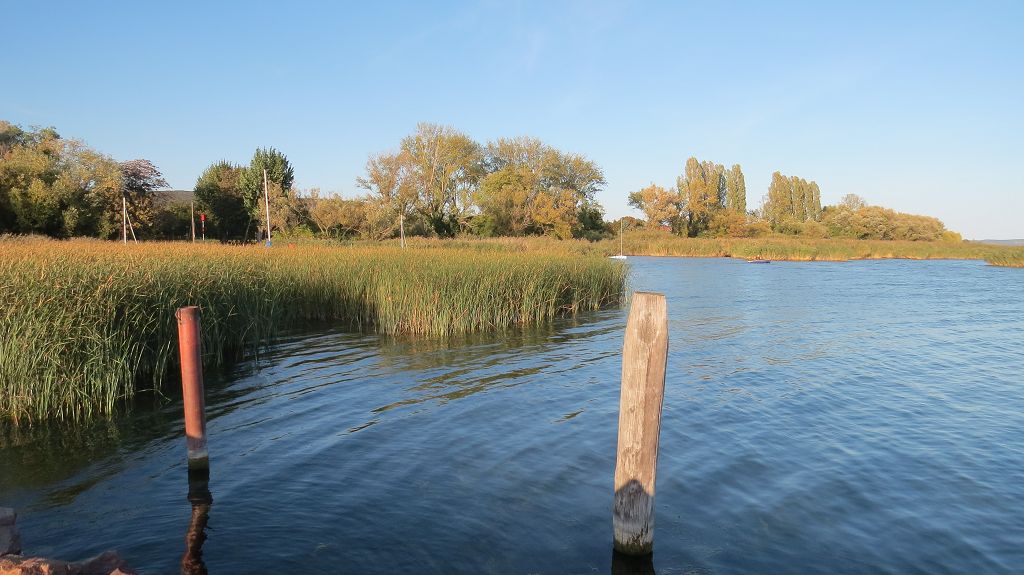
{"x": 657, "y": 243}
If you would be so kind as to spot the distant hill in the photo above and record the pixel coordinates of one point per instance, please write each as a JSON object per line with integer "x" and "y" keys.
{"x": 168, "y": 197}
{"x": 1002, "y": 242}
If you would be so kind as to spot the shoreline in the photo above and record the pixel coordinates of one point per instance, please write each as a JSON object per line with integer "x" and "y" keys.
{"x": 792, "y": 248}
{"x": 825, "y": 260}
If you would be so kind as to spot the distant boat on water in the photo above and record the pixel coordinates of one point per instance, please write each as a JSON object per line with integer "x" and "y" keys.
{"x": 759, "y": 261}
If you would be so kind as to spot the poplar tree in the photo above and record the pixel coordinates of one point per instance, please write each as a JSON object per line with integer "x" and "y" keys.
{"x": 797, "y": 203}
{"x": 814, "y": 203}
{"x": 736, "y": 194}
{"x": 702, "y": 188}
{"x": 779, "y": 202}
{"x": 791, "y": 199}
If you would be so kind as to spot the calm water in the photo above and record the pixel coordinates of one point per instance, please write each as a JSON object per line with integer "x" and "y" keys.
{"x": 863, "y": 417}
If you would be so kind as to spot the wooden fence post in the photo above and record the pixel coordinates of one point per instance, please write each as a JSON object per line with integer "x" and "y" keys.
{"x": 190, "y": 350}
{"x": 644, "y": 355}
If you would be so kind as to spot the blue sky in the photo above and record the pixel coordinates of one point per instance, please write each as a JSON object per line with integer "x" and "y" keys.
{"x": 914, "y": 106}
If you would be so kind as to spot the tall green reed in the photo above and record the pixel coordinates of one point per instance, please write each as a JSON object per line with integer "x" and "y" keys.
{"x": 85, "y": 325}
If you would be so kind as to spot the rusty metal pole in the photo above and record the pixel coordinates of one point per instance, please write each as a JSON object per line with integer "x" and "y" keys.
{"x": 190, "y": 350}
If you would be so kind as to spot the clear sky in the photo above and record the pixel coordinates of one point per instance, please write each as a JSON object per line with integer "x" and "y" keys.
{"x": 914, "y": 106}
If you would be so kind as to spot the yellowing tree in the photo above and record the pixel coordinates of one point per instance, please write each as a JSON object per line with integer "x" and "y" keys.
{"x": 445, "y": 168}
{"x": 702, "y": 187}
{"x": 508, "y": 201}
{"x": 393, "y": 195}
{"x": 335, "y": 216}
{"x": 555, "y": 213}
{"x": 661, "y": 207}
{"x": 536, "y": 189}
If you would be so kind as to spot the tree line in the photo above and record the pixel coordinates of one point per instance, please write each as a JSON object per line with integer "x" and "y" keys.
{"x": 709, "y": 200}
{"x": 62, "y": 188}
{"x": 436, "y": 182}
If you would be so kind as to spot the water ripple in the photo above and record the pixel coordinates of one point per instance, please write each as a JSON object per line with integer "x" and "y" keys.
{"x": 862, "y": 417}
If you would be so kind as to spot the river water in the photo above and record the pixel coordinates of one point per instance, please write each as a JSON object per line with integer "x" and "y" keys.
{"x": 860, "y": 417}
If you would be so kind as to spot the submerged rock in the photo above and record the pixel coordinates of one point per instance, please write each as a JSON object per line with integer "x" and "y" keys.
{"x": 109, "y": 563}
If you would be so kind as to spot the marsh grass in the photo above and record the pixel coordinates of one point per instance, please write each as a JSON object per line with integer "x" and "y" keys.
{"x": 658, "y": 243}
{"x": 86, "y": 324}
{"x": 1010, "y": 257}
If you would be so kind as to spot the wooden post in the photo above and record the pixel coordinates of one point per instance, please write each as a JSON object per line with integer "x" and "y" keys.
{"x": 190, "y": 350}
{"x": 131, "y": 228}
{"x": 644, "y": 355}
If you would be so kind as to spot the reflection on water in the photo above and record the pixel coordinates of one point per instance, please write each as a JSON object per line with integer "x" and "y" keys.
{"x": 854, "y": 418}
{"x": 201, "y": 499}
{"x": 43, "y": 455}
{"x": 630, "y": 565}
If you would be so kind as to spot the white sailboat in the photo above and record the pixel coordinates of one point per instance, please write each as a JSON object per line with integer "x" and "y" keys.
{"x": 620, "y": 256}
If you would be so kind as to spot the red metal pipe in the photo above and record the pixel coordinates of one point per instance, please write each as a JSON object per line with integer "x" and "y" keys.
{"x": 190, "y": 350}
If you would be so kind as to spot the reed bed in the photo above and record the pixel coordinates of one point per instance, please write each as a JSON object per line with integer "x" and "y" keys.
{"x": 1009, "y": 257}
{"x": 84, "y": 325}
{"x": 658, "y": 243}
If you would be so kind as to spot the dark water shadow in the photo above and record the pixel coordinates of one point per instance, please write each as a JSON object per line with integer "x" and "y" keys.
{"x": 201, "y": 499}
{"x": 46, "y": 454}
{"x": 630, "y": 565}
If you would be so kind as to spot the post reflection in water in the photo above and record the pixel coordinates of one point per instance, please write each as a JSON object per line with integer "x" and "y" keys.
{"x": 201, "y": 498}
{"x": 623, "y": 564}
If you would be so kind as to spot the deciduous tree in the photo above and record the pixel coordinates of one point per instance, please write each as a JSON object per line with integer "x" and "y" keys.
{"x": 53, "y": 186}
{"x": 392, "y": 191}
{"x": 736, "y": 190}
{"x": 446, "y": 166}
{"x": 508, "y": 200}
{"x": 791, "y": 201}
{"x": 280, "y": 176}
{"x": 139, "y": 179}
{"x": 702, "y": 187}
{"x": 661, "y": 207}
{"x": 220, "y": 196}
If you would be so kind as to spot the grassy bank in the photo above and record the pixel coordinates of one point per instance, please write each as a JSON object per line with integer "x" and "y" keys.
{"x": 656, "y": 243}
{"x": 85, "y": 324}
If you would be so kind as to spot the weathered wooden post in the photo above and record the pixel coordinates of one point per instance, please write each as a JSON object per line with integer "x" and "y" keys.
{"x": 644, "y": 355}
{"x": 190, "y": 350}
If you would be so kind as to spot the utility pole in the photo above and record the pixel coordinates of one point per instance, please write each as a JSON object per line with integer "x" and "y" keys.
{"x": 192, "y": 220}
{"x": 124, "y": 219}
{"x": 266, "y": 199}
